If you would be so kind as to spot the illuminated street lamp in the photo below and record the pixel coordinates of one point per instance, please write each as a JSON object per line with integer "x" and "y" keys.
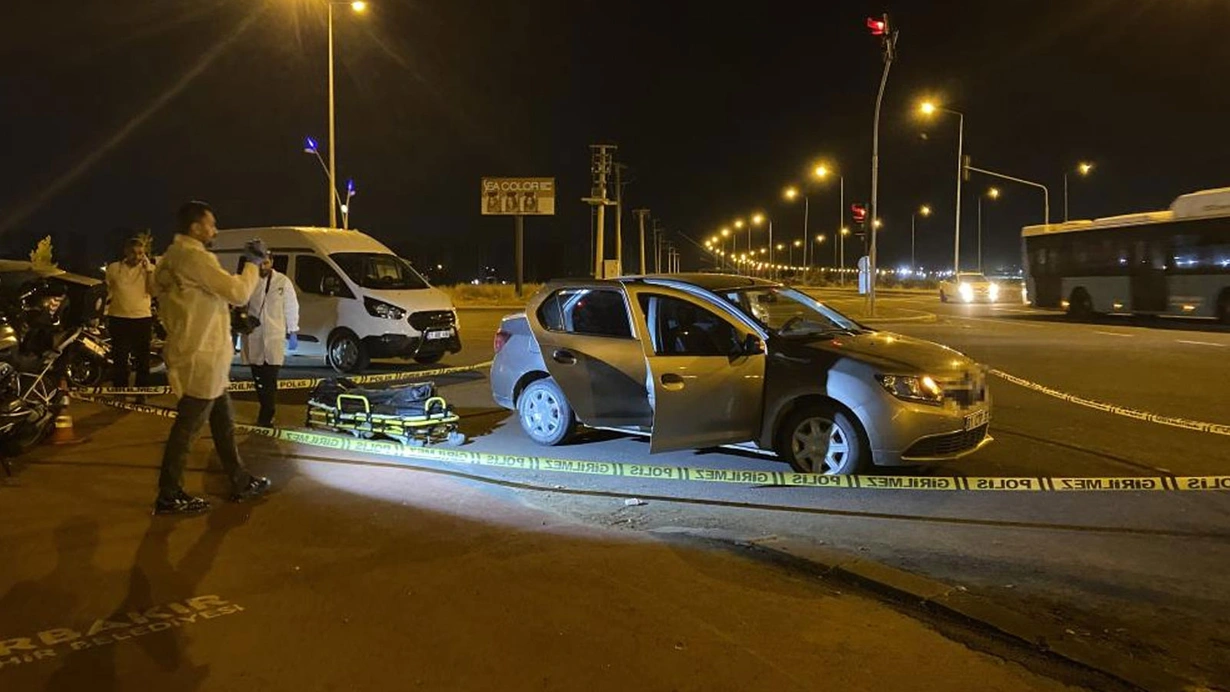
{"x": 792, "y": 193}
{"x": 924, "y": 211}
{"x": 1082, "y": 168}
{"x": 929, "y": 108}
{"x": 358, "y": 6}
{"x": 992, "y": 193}
{"x": 822, "y": 171}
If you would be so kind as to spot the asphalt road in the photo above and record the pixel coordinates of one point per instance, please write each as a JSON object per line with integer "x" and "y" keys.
{"x": 1139, "y": 575}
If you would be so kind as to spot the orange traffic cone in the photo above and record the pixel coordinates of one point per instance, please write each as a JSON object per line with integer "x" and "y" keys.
{"x": 63, "y": 433}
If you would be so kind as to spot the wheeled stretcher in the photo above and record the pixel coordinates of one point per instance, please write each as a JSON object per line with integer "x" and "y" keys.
{"x": 412, "y": 414}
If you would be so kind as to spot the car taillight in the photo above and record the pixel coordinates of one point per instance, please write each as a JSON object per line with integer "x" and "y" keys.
{"x": 501, "y": 338}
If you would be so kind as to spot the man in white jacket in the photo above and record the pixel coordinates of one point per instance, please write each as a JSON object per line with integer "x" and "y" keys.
{"x": 195, "y": 294}
{"x": 275, "y": 304}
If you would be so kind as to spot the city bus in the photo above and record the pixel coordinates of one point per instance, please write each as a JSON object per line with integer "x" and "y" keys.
{"x": 1171, "y": 262}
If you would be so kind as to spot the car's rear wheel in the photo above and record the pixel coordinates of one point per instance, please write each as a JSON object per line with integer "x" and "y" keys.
{"x": 545, "y": 414}
{"x": 820, "y": 438}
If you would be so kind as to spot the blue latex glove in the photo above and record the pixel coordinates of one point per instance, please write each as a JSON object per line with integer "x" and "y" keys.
{"x": 293, "y": 342}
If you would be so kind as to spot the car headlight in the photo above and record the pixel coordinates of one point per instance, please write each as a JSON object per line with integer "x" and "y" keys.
{"x": 993, "y": 291}
{"x": 967, "y": 292}
{"x": 922, "y": 388}
{"x": 379, "y": 308}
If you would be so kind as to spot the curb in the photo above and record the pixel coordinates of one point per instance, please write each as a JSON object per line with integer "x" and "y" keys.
{"x": 957, "y": 603}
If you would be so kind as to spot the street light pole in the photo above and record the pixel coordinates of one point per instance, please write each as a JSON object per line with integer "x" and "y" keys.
{"x": 332, "y": 133}
{"x": 890, "y": 44}
{"x": 1046, "y": 193}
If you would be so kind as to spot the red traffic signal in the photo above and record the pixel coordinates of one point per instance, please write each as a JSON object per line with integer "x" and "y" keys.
{"x": 878, "y": 27}
{"x": 858, "y": 212}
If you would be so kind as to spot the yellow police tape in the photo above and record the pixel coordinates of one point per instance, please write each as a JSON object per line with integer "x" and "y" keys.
{"x": 707, "y": 475}
{"x": 1186, "y": 424}
{"x": 301, "y": 383}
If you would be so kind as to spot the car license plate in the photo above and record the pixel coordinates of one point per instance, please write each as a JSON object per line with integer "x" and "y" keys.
{"x": 439, "y": 334}
{"x": 977, "y": 419}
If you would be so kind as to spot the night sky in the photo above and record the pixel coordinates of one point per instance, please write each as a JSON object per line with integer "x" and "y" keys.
{"x": 114, "y": 112}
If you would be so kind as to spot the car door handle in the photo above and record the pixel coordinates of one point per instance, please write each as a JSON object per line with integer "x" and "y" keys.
{"x": 671, "y": 381}
{"x": 564, "y": 357}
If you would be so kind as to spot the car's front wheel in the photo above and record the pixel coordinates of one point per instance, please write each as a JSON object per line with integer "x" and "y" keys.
{"x": 545, "y": 414}
{"x": 820, "y": 438}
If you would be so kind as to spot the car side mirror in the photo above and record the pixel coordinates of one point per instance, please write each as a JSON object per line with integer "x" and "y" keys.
{"x": 752, "y": 345}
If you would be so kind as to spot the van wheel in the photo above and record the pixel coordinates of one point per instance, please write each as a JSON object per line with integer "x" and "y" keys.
{"x": 820, "y": 438}
{"x": 1080, "y": 305}
{"x": 347, "y": 353}
{"x": 428, "y": 360}
{"x": 545, "y": 414}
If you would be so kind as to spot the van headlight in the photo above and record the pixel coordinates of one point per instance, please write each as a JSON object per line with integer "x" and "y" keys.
{"x": 993, "y": 291}
{"x": 967, "y": 292}
{"x": 920, "y": 388}
{"x": 379, "y": 308}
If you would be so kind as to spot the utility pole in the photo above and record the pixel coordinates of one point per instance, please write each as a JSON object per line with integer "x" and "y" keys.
{"x": 619, "y": 216}
{"x": 600, "y": 166}
{"x": 640, "y": 217}
{"x": 888, "y": 40}
{"x": 657, "y": 248}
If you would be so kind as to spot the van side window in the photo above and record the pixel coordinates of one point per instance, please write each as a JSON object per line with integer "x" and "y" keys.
{"x": 280, "y": 262}
{"x": 314, "y": 277}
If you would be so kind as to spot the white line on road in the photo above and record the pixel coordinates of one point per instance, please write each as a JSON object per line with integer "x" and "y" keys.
{"x": 1200, "y": 343}
{"x": 1112, "y": 333}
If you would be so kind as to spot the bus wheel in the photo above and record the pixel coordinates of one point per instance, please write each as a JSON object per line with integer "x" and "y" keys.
{"x": 1080, "y": 305}
{"x": 1223, "y": 307}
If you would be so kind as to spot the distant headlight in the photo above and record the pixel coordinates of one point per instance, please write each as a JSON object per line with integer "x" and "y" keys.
{"x": 912, "y": 388}
{"x": 967, "y": 292}
{"x": 993, "y": 291}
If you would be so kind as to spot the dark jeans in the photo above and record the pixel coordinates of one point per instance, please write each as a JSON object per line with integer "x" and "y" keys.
{"x": 192, "y": 413}
{"x": 130, "y": 340}
{"x": 266, "y": 380}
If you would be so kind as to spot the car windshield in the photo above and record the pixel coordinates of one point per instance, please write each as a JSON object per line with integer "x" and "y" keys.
{"x": 975, "y": 278}
{"x": 379, "y": 270}
{"x": 787, "y": 312}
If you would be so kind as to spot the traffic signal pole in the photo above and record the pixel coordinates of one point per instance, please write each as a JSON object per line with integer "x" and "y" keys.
{"x": 888, "y": 38}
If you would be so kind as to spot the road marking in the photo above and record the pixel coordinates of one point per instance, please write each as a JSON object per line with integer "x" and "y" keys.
{"x": 1201, "y": 343}
{"x": 1017, "y": 323}
{"x": 1112, "y": 333}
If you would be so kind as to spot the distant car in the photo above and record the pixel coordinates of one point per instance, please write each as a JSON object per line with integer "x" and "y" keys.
{"x": 702, "y": 360}
{"x": 973, "y": 287}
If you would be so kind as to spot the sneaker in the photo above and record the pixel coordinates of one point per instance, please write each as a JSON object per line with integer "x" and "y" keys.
{"x": 255, "y": 487}
{"x": 182, "y": 503}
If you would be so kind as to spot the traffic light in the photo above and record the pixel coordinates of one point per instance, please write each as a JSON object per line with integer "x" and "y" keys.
{"x": 858, "y": 213}
{"x": 878, "y": 27}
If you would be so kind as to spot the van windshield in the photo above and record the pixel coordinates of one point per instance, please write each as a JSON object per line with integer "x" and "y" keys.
{"x": 379, "y": 271}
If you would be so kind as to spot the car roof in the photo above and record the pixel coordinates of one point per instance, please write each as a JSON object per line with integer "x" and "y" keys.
{"x": 709, "y": 282}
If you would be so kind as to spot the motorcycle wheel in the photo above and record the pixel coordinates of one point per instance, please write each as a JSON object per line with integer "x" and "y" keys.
{"x": 84, "y": 369}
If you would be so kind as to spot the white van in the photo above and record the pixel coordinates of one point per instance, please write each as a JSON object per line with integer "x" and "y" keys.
{"x": 357, "y": 300}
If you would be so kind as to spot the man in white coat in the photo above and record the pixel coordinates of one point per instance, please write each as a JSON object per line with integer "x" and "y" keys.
{"x": 275, "y": 304}
{"x": 195, "y": 294}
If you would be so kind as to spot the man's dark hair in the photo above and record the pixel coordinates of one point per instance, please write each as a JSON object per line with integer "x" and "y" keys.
{"x": 189, "y": 214}
{"x": 134, "y": 241}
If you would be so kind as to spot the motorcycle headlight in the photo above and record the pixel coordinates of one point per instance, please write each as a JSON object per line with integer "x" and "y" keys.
{"x": 967, "y": 292}
{"x": 922, "y": 389}
{"x": 379, "y": 308}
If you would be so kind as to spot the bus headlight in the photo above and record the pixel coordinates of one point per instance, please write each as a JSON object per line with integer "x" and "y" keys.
{"x": 967, "y": 292}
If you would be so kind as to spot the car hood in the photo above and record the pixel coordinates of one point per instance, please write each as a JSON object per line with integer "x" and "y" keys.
{"x": 893, "y": 353}
{"x": 416, "y": 300}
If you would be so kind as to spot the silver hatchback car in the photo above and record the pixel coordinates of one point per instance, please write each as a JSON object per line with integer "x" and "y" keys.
{"x": 705, "y": 360}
